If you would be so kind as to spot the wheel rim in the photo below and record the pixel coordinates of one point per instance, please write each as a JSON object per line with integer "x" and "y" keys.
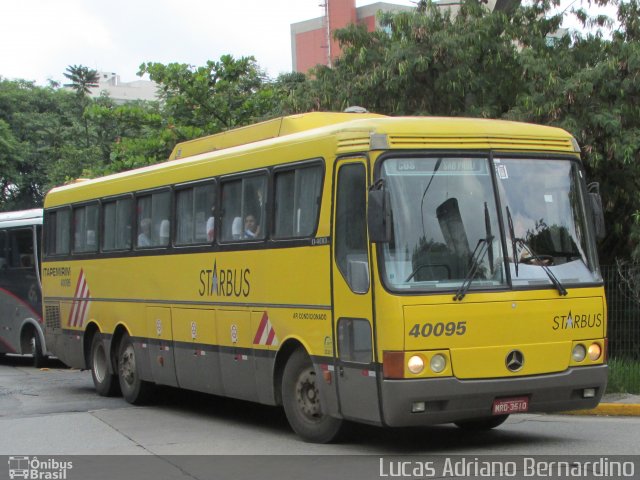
{"x": 100, "y": 364}
{"x": 307, "y": 396}
{"x": 127, "y": 365}
{"x": 32, "y": 342}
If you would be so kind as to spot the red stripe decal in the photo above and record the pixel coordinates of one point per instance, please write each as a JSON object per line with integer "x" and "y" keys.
{"x": 263, "y": 325}
{"x": 272, "y": 334}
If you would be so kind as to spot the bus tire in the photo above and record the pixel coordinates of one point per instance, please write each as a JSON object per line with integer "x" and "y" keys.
{"x": 134, "y": 390}
{"x": 105, "y": 383}
{"x": 36, "y": 348}
{"x": 479, "y": 424}
{"x": 301, "y": 401}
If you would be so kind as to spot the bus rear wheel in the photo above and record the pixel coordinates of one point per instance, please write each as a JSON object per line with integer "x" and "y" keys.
{"x": 134, "y": 390}
{"x": 479, "y": 424}
{"x": 302, "y": 403}
{"x": 106, "y": 384}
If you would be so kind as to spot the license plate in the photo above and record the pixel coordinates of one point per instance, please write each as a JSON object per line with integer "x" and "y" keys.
{"x": 505, "y": 406}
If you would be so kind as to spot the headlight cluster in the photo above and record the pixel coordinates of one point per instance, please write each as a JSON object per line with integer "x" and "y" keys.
{"x": 438, "y": 363}
{"x": 424, "y": 364}
{"x": 580, "y": 352}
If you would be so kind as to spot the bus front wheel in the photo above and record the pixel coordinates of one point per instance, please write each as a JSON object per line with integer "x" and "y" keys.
{"x": 35, "y": 345}
{"x": 302, "y": 403}
{"x": 106, "y": 384}
{"x": 134, "y": 390}
{"x": 478, "y": 424}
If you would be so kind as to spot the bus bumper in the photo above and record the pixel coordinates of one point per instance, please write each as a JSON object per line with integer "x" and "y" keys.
{"x": 450, "y": 399}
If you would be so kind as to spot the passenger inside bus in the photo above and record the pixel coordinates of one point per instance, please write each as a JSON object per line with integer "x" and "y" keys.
{"x": 144, "y": 238}
{"x": 251, "y": 227}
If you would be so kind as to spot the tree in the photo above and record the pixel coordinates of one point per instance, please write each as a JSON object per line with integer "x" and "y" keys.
{"x": 217, "y": 96}
{"x": 82, "y": 79}
{"x": 8, "y": 164}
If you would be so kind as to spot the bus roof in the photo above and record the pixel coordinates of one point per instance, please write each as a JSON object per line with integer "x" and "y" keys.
{"x": 21, "y": 218}
{"x": 351, "y": 133}
{"x": 277, "y": 127}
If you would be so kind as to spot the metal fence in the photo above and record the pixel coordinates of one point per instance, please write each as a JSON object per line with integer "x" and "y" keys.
{"x": 622, "y": 287}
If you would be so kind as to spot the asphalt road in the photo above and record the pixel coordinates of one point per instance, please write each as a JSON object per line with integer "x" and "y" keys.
{"x": 56, "y": 411}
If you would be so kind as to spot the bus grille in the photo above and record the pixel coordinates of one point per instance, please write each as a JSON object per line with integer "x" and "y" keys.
{"x": 52, "y": 316}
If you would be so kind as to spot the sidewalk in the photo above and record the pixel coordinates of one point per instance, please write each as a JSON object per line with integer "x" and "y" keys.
{"x": 617, "y": 404}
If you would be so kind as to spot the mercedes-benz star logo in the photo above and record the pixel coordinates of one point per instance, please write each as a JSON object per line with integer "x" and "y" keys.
{"x": 514, "y": 360}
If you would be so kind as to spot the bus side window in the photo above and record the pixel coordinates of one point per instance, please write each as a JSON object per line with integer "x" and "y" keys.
{"x": 85, "y": 223}
{"x": 58, "y": 231}
{"x": 117, "y": 224}
{"x": 243, "y": 209}
{"x": 154, "y": 227}
{"x": 297, "y": 194}
{"x": 231, "y": 210}
{"x": 21, "y": 248}
{"x": 195, "y": 215}
{"x": 350, "y": 227}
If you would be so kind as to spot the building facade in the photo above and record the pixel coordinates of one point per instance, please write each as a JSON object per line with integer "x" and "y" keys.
{"x": 122, "y": 92}
{"x": 312, "y": 40}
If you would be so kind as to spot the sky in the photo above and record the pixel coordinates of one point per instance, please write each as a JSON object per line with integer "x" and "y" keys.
{"x": 39, "y": 39}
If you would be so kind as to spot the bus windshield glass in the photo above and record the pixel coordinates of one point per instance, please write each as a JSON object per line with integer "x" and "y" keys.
{"x": 543, "y": 211}
{"x": 445, "y": 225}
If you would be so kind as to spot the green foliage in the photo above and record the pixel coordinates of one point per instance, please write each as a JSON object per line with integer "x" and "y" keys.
{"x": 37, "y": 124}
{"x": 220, "y": 95}
{"x": 624, "y": 376}
{"x": 82, "y": 79}
{"x": 49, "y": 136}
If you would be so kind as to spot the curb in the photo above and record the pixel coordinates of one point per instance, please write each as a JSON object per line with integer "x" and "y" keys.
{"x": 612, "y": 409}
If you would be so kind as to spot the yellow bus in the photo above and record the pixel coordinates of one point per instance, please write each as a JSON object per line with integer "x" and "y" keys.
{"x": 347, "y": 266}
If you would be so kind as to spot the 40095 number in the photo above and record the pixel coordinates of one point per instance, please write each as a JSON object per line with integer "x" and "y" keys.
{"x": 438, "y": 329}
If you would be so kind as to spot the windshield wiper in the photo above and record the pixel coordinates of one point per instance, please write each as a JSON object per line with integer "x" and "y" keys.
{"x": 484, "y": 246}
{"x": 539, "y": 262}
{"x": 514, "y": 248}
{"x": 489, "y": 237}
{"x": 477, "y": 256}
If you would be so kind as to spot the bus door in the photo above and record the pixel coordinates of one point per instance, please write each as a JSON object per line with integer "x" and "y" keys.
{"x": 352, "y": 301}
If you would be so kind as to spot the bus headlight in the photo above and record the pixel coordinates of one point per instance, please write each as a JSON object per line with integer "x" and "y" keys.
{"x": 579, "y": 353}
{"x": 594, "y": 352}
{"x": 415, "y": 364}
{"x": 438, "y": 363}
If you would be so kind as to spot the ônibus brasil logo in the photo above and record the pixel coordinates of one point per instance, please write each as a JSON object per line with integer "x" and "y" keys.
{"x": 38, "y": 469}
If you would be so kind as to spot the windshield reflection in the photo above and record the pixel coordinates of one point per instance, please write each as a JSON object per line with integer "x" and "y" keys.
{"x": 545, "y": 203}
{"x": 446, "y": 232}
{"x": 443, "y": 210}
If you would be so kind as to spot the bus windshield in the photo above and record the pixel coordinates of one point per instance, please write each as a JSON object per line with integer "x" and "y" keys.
{"x": 445, "y": 220}
{"x": 543, "y": 211}
{"x": 446, "y": 228}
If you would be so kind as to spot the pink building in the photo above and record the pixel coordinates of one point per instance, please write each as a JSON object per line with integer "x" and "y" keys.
{"x": 312, "y": 40}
